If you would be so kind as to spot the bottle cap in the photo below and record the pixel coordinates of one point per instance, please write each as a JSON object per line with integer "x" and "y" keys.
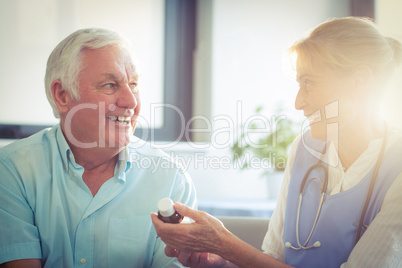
{"x": 165, "y": 207}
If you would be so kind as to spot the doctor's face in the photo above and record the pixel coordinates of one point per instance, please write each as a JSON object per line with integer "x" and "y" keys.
{"x": 326, "y": 99}
{"x": 109, "y": 104}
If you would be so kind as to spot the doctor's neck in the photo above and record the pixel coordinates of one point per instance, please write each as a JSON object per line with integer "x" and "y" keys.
{"x": 353, "y": 141}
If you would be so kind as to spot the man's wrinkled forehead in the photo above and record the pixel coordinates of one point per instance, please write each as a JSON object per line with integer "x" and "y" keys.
{"x": 131, "y": 63}
{"x": 129, "y": 60}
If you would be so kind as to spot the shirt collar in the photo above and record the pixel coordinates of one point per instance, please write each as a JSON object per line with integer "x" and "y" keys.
{"x": 123, "y": 163}
{"x": 64, "y": 148}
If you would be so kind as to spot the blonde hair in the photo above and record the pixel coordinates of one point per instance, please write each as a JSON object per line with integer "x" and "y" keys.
{"x": 343, "y": 44}
{"x": 64, "y": 62}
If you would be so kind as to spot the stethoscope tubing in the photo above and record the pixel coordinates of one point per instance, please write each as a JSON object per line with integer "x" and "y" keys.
{"x": 373, "y": 179}
{"x": 324, "y": 188}
{"x": 315, "y": 223}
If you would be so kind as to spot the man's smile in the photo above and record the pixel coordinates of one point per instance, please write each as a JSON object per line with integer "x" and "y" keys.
{"x": 125, "y": 120}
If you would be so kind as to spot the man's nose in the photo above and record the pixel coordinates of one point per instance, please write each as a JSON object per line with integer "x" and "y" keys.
{"x": 126, "y": 98}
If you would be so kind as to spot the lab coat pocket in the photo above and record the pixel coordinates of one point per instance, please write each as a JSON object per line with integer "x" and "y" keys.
{"x": 128, "y": 241}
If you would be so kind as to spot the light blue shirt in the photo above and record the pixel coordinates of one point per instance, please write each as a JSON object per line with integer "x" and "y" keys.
{"x": 48, "y": 212}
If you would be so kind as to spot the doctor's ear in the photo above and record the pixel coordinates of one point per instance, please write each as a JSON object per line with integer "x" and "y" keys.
{"x": 61, "y": 97}
{"x": 363, "y": 78}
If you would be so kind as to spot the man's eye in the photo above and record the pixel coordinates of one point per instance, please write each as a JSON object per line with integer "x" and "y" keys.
{"x": 134, "y": 87}
{"x": 110, "y": 85}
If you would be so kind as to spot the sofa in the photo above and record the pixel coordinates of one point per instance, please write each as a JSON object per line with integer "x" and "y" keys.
{"x": 251, "y": 230}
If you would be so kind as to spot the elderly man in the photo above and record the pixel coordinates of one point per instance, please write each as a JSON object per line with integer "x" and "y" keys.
{"x": 76, "y": 194}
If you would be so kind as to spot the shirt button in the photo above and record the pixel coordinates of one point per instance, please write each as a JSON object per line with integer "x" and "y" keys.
{"x": 83, "y": 261}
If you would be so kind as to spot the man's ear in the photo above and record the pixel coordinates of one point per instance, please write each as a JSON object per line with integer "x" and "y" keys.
{"x": 61, "y": 97}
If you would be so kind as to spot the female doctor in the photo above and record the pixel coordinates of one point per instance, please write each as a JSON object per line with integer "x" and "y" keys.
{"x": 340, "y": 202}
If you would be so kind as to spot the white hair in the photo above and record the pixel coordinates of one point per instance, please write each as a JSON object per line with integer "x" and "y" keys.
{"x": 64, "y": 62}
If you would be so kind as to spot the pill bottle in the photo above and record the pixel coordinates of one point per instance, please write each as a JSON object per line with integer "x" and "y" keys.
{"x": 167, "y": 213}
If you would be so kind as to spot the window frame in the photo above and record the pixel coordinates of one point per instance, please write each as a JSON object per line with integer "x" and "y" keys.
{"x": 180, "y": 42}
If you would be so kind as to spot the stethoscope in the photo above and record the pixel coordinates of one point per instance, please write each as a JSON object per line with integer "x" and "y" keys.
{"x": 324, "y": 186}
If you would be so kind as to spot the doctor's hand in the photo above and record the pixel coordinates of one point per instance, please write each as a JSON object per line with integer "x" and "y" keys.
{"x": 205, "y": 234}
{"x": 198, "y": 259}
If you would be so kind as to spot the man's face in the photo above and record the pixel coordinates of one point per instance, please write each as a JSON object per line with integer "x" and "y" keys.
{"x": 105, "y": 114}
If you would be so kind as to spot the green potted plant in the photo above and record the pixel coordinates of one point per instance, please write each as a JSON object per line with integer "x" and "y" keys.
{"x": 270, "y": 148}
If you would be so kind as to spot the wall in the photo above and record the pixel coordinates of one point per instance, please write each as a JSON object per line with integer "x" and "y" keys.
{"x": 246, "y": 44}
{"x": 389, "y": 20}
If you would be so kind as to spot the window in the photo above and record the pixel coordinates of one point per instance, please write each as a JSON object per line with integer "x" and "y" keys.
{"x": 161, "y": 40}
{"x": 239, "y": 68}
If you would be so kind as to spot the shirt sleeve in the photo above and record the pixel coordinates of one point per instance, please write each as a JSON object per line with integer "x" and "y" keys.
{"x": 381, "y": 244}
{"x": 19, "y": 235}
{"x": 273, "y": 244}
{"x": 183, "y": 192}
